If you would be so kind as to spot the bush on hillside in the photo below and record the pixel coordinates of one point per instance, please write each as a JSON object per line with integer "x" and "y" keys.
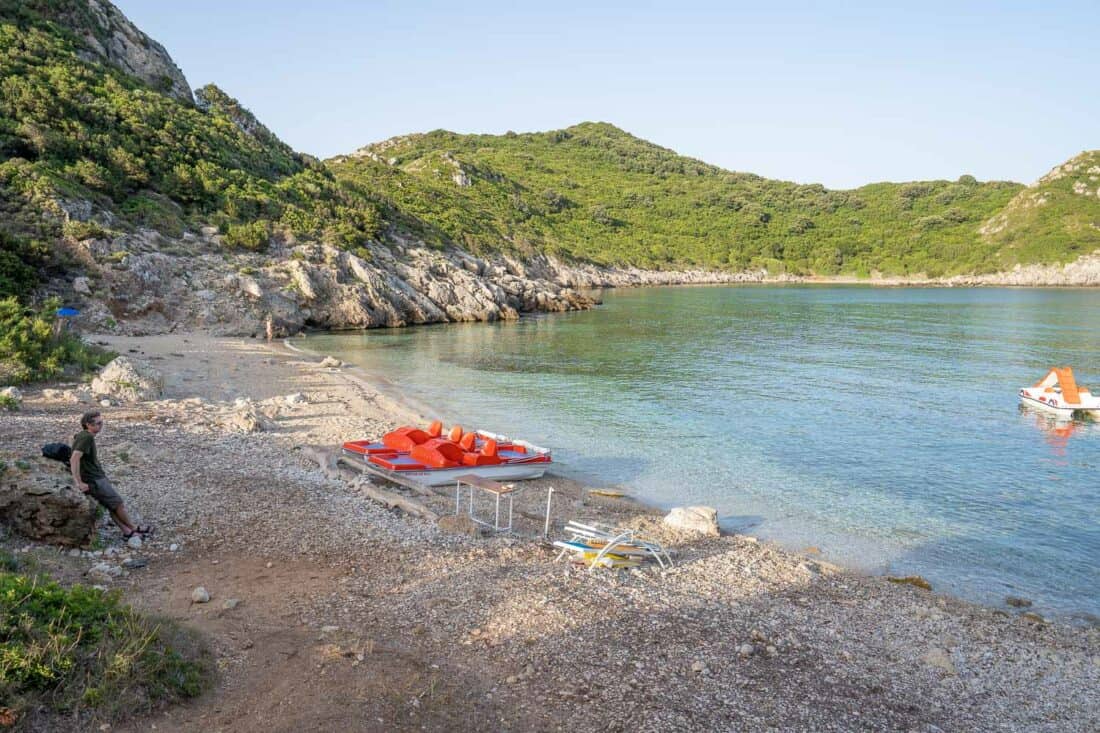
{"x": 33, "y": 347}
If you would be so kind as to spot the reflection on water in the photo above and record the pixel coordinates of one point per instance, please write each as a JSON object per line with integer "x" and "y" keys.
{"x": 1058, "y": 430}
{"x": 880, "y": 425}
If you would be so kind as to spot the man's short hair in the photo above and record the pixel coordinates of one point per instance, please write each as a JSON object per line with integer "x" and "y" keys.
{"x": 87, "y": 417}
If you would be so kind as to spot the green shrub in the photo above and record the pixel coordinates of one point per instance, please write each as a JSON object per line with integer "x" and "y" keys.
{"x": 8, "y": 403}
{"x": 79, "y": 652}
{"x": 33, "y": 348}
{"x": 253, "y": 236}
{"x": 20, "y": 263}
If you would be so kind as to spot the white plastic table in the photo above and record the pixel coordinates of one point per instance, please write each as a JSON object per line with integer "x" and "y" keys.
{"x": 496, "y": 491}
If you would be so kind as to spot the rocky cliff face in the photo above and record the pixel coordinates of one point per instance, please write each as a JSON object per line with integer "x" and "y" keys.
{"x": 111, "y": 38}
{"x": 145, "y": 283}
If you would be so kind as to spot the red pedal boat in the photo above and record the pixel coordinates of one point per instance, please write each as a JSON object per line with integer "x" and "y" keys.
{"x": 430, "y": 458}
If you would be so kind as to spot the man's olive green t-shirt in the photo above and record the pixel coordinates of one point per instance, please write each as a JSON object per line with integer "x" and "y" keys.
{"x": 89, "y": 463}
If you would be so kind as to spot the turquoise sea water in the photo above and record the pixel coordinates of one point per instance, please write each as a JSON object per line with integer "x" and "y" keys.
{"x": 880, "y": 425}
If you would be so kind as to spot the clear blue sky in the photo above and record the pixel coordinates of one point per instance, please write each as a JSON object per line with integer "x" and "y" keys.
{"x": 806, "y": 92}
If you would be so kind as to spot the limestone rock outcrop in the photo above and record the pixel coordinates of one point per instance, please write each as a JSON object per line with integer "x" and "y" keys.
{"x": 110, "y": 37}
{"x": 128, "y": 380}
{"x": 697, "y": 519}
{"x": 38, "y": 501}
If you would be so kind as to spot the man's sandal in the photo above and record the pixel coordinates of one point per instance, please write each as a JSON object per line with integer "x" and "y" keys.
{"x": 144, "y": 529}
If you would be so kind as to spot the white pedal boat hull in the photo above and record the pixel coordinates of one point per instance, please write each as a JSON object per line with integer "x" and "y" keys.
{"x": 444, "y": 476}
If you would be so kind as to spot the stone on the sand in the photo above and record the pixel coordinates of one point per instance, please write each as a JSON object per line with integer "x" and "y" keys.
{"x": 173, "y": 547}
{"x": 939, "y": 659}
{"x": 129, "y": 380}
{"x": 245, "y": 417}
{"x": 1017, "y": 602}
{"x": 134, "y": 543}
{"x": 295, "y": 399}
{"x": 104, "y": 571}
{"x": 331, "y": 362}
{"x": 37, "y": 503}
{"x": 231, "y": 603}
{"x": 199, "y": 595}
{"x": 701, "y": 519}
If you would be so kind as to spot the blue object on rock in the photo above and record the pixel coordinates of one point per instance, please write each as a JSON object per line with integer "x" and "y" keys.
{"x": 68, "y": 312}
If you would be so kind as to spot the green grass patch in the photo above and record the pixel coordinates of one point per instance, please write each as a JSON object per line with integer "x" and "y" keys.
{"x": 81, "y": 654}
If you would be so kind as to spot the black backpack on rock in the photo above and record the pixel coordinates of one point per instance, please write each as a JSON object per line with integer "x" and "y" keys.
{"x": 57, "y": 451}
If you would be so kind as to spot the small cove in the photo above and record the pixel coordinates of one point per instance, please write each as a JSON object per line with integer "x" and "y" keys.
{"x": 880, "y": 425}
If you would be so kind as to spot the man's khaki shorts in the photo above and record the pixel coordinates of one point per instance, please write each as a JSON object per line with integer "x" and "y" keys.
{"x": 103, "y": 492}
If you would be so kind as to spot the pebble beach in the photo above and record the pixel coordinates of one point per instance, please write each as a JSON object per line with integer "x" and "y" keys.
{"x": 327, "y": 609}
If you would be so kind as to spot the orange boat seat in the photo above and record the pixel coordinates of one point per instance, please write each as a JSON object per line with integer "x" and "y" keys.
{"x": 480, "y": 459}
{"x": 467, "y": 442}
{"x": 435, "y": 429}
{"x": 456, "y": 434}
{"x": 437, "y": 453}
{"x": 405, "y": 438}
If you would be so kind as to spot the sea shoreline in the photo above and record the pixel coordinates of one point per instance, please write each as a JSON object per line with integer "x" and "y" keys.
{"x": 421, "y": 414}
{"x": 740, "y": 634}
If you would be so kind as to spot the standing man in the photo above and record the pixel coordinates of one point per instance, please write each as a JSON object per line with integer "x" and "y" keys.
{"x": 90, "y": 478}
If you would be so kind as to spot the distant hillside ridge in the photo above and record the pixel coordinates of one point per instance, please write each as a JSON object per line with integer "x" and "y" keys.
{"x": 152, "y": 207}
{"x": 596, "y": 193}
{"x": 1055, "y": 219}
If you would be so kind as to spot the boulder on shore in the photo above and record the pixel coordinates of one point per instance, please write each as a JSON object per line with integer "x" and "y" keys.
{"x": 38, "y": 502}
{"x": 701, "y": 519}
{"x": 128, "y": 380}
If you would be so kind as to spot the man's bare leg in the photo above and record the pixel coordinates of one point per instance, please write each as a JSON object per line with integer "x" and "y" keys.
{"x": 122, "y": 519}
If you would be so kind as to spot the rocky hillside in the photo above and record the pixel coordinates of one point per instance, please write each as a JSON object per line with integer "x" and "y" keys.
{"x": 1057, "y": 219}
{"x": 152, "y": 208}
{"x": 597, "y": 193}
{"x": 105, "y": 35}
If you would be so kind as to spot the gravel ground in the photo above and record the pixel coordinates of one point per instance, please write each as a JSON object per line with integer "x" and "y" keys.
{"x": 414, "y": 627}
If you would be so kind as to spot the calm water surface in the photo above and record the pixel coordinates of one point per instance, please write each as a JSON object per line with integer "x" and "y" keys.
{"x": 880, "y": 425}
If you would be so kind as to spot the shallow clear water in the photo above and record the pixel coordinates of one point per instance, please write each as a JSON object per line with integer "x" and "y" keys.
{"x": 880, "y": 425}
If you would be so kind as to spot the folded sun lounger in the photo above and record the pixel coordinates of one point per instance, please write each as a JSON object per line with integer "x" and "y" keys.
{"x": 600, "y": 546}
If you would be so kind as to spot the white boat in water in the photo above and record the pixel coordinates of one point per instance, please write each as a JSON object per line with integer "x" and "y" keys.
{"x": 1058, "y": 393}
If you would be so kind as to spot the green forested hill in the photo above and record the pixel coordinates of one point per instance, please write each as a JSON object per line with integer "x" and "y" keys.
{"x": 99, "y": 136}
{"x": 1057, "y": 219}
{"x": 595, "y": 192}
{"x": 74, "y": 130}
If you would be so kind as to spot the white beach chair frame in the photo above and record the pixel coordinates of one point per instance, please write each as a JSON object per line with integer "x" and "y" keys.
{"x": 613, "y": 537}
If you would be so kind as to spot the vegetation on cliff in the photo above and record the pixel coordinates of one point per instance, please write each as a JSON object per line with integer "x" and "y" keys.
{"x": 75, "y": 131}
{"x": 595, "y": 192}
{"x": 1056, "y": 220}
{"x": 87, "y": 149}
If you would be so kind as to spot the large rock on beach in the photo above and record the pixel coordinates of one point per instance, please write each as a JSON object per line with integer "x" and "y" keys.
{"x": 38, "y": 502}
{"x": 128, "y": 380}
{"x": 699, "y": 519}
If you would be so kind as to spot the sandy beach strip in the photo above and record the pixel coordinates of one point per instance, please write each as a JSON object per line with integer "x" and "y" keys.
{"x": 352, "y": 615}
